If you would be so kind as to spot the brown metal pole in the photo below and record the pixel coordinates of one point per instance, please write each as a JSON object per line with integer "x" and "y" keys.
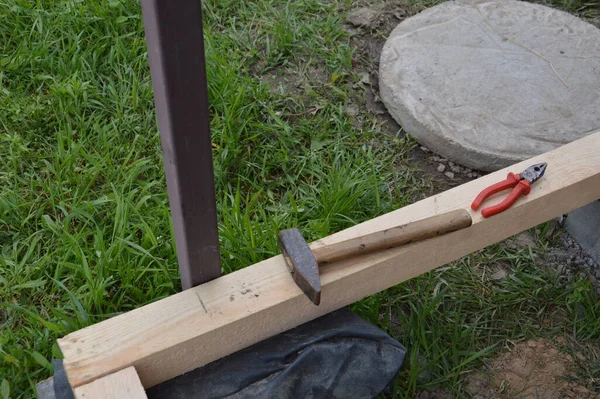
{"x": 177, "y": 64}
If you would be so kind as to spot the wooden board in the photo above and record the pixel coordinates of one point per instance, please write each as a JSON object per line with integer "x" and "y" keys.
{"x": 124, "y": 384}
{"x": 194, "y": 327}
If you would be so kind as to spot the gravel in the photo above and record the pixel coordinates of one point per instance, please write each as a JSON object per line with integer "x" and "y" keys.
{"x": 571, "y": 259}
{"x": 449, "y": 168}
{"x": 590, "y": 262}
{"x": 456, "y": 169}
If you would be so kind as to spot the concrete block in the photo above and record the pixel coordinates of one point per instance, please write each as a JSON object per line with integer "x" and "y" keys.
{"x": 487, "y": 83}
{"x": 584, "y": 226}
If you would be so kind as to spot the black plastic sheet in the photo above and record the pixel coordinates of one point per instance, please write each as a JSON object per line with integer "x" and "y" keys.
{"x": 336, "y": 356}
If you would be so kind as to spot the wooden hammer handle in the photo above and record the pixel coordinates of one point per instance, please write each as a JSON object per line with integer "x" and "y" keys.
{"x": 394, "y": 237}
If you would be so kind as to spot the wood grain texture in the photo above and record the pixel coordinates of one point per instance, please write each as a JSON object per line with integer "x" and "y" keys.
{"x": 124, "y": 384}
{"x": 197, "y": 326}
{"x": 403, "y": 234}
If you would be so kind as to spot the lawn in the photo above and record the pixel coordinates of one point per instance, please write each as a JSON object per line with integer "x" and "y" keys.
{"x": 84, "y": 216}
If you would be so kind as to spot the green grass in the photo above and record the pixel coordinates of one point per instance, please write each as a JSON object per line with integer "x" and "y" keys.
{"x": 587, "y": 9}
{"x": 84, "y": 219}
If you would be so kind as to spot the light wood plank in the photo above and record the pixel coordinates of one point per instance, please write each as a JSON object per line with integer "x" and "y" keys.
{"x": 124, "y": 384}
{"x": 194, "y": 327}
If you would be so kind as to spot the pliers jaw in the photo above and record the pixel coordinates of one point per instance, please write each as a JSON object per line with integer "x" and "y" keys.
{"x": 534, "y": 172}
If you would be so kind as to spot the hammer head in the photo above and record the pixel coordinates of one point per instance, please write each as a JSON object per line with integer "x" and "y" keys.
{"x": 301, "y": 263}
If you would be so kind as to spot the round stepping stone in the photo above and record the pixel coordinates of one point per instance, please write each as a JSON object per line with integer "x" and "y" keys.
{"x": 490, "y": 83}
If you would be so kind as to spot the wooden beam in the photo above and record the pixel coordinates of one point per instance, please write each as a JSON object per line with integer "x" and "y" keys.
{"x": 124, "y": 384}
{"x": 195, "y": 327}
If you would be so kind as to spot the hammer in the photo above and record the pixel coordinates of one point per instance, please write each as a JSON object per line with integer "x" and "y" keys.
{"x": 304, "y": 263}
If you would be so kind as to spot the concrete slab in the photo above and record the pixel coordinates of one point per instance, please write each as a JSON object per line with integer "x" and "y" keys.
{"x": 584, "y": 226}
{"x": 490, "y": 83}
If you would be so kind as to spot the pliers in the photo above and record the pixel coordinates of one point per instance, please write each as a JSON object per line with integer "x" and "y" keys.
{"x": 522, "y": 186}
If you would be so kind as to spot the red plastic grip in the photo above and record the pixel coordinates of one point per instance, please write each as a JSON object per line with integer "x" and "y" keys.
{"x": 511, "y": 180}
{"x": 523, "y": 188}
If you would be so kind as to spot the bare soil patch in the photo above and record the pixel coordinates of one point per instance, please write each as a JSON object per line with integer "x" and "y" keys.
{"x": 531, "y": 369}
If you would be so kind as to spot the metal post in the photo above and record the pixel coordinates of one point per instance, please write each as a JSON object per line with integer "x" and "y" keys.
{"x": 177, "y": 64}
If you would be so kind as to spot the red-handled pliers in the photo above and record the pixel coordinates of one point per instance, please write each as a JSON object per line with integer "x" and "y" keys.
{"x": 522, "y": 186}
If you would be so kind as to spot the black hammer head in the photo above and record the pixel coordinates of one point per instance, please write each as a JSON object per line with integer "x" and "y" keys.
{"x": 301, "y": 262}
